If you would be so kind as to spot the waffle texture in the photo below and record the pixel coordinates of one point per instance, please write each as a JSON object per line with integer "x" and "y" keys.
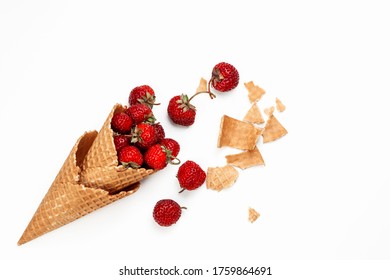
{"x": 89, "y": 179}
{"x": 100, "y": 165}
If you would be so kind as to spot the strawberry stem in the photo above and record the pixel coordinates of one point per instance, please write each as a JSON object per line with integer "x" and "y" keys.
{"x": 182, "y": 190}
{"x": 212, "y": 95}
{"x": 177, "y": 162}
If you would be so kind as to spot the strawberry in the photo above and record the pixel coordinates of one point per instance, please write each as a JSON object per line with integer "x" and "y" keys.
{"x": 224, "y": 77}
{"x": 142, "y": 94}
{"x": 144, "y": 135}
{"x": 181, "y": 111}
{"x": 167, "y": 212}
{"x": 190, "y": 175}
{"x": 160, "y": 132}
{"x": 140, "y": 113}
{"x": 172, "y": 145}
{"x": 130, "y": 156}
{"x": 158, "y": 156}
{"x": 121, "y": 123}
{"x": 120, "y": 141}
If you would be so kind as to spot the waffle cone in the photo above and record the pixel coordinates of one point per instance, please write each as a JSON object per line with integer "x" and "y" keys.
{"x": 67, "y": 199}
{"x": 100, "y": 165}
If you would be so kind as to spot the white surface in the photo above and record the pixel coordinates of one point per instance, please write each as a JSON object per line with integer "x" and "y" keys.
{"x": 324, "y": 191}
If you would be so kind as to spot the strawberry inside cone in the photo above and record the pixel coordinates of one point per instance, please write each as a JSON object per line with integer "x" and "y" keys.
{"x": 158, "y": 156}
{"x": 181, "y": 111}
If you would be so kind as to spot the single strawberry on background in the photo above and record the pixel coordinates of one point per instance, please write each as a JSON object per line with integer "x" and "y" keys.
{"x": 224, "y": 77}
{"x": 181, "y": 111}
{"x": 190, "y": 176}
{"x": 167, "y": 212}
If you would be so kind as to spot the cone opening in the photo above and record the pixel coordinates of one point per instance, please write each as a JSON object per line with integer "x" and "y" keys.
{"x": 84, "y": 146}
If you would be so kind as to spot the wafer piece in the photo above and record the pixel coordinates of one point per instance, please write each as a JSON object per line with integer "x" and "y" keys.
{"x": 273, "y": 130}
{"x": 100, "y": 166}
{"x": 254, "y": 92}
{"x": 279, "y": 105}
{"x": 237, "y": 134}
{"x": 219, "y": 178}
{"x": 202, "y": 85}
{"x": 246, "y": 159}
{"x": 269, "y": 111}
{"x": 254, "y": 115}
{"x": 68, "y": 200}
{"x": 253, "y": 215}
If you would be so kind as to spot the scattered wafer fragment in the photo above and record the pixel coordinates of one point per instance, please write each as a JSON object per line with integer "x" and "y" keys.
{"x": 273, "y": 130}
{"x": 253, "y": 215}
{"x": 254, "y": 115}
{"x": 246, "y": 159}
{"x": 279, "y": 105}
{"x": 237, "y": 134}
{"x": 254, "y": 92}
{"x": 202, "y": 85}
{"x": 269, "y": 111}
{"x": 219, "y": 178}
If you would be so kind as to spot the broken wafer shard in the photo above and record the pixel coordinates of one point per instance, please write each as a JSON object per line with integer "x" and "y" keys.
{"x": 246, "y": 159}
{"x": 237, "y": 134}
{"x": 269, "y": 111}
{"x": 67, "y": 199}
{"x": 202, "y": 87}
{"x": 279, "y": 105}
{"x": 273, "y": 130}
{"x": 100, "y": 165}
{"x": 219, "y": 178}
{"x": 254, "y": 92}
{"x": 253, "y": 215}
{"x": 254, "y": 115}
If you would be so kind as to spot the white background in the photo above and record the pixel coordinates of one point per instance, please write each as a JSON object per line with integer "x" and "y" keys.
{"x": 324, "y": 192}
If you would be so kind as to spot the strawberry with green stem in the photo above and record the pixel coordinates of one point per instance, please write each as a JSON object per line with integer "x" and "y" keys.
{"x": 181, "y": 111}
{"x": 144, "y": 136}
{"x": 130, "y": 156}
{"x": 158, "y": 156}
{"x": 143, "y": 94}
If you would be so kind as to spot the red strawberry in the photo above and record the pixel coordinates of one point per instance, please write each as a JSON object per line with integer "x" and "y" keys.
{"x": 140, "y": 113}
{"x": 157, "y": 157}
{"x": 160, "y": 133}
{"x": 121, "y": 123}
{"x": 130, "y": 156}
{"x": 181, "y": 111}
{"x": 120, "y": 141}
{"x": 224, "y": 77}
{"x": 144, "y": 135}
{"x": 167, "y": 212}
{"x": 171, "y": 145}
{"x": 190, "y": 175}
{"x": 142, "y": 94}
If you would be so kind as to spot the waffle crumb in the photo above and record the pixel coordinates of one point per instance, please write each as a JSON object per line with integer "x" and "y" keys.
{"x": 253, "y": 215}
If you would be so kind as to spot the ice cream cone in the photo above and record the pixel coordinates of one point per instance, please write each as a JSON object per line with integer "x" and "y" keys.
{"x": 68, "y": 199}
{"x": 100, "y": 165}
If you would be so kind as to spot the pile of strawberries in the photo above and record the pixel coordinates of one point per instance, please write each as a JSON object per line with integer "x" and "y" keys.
{"x": 140, "y": 140}
{"x": 141, "y": 143}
